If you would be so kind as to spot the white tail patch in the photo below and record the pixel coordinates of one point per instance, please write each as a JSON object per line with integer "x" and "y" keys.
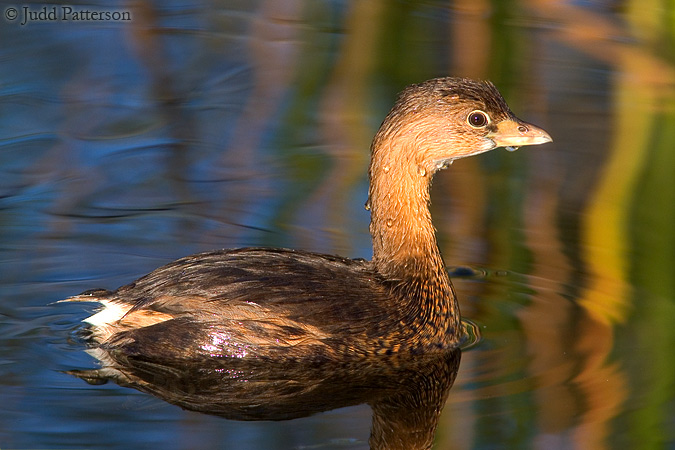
{"x": 111, "y": 313}
{"x": 116, "y": 316}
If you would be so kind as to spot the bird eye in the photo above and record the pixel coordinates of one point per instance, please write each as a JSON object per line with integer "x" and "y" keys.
{"x": 478, "y": 119}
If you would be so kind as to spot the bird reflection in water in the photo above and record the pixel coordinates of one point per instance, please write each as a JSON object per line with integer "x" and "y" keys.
{"x": 406, "y": 392}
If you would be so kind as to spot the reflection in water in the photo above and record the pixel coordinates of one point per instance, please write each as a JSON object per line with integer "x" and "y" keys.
{"x": 406, "y": 392}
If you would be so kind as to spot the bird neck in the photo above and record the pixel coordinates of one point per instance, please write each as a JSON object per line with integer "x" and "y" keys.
{"x": 404, "y": 238}
{"x": 405, "y": 251}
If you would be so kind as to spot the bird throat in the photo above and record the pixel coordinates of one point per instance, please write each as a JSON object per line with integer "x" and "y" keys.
{"x": 404, "y": 238}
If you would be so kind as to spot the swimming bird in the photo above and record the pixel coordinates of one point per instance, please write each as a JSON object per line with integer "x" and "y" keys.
{"x": 276, "y": 308}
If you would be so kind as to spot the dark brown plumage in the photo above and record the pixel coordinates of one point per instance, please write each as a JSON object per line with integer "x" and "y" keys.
{"x": 257, "y": 311}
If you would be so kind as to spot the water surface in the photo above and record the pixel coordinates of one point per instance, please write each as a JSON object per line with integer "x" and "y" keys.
{"x": 194, "y": 126}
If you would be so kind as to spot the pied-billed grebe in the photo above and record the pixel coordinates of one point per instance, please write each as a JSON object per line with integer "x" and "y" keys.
{"x": 277, "y": 305}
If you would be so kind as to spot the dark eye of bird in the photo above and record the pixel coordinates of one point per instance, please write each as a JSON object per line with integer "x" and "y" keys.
{"x": 478, "y": 119}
